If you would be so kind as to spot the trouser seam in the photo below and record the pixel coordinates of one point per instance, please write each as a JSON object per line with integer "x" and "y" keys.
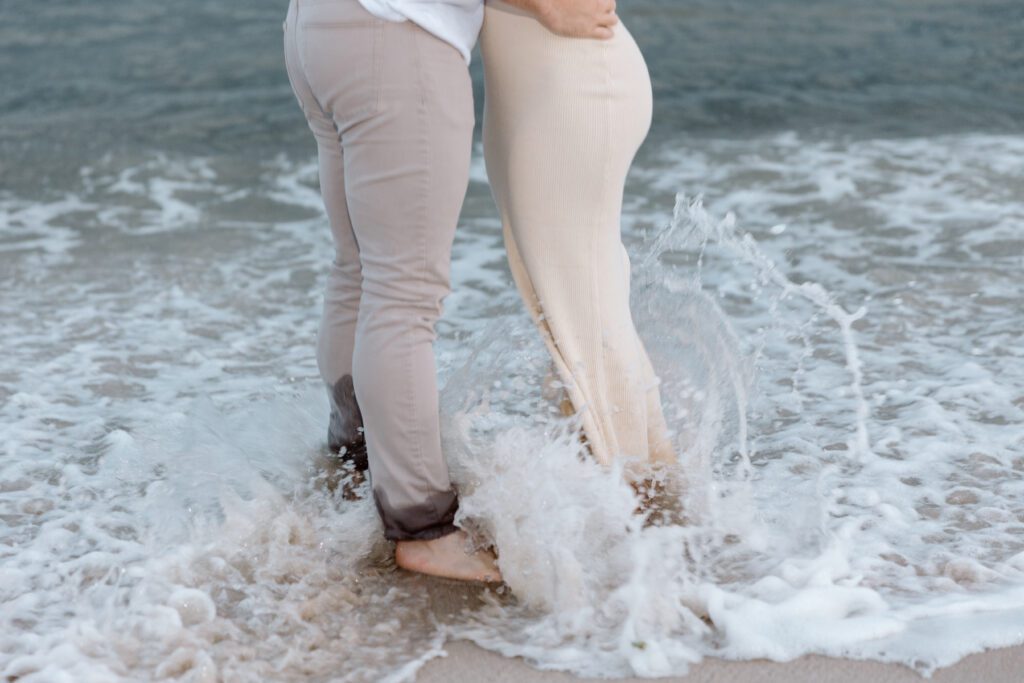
{"x": 423, "y": 227}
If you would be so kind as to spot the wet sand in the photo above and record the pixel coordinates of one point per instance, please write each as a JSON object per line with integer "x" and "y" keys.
{"x": 467, "y": 662}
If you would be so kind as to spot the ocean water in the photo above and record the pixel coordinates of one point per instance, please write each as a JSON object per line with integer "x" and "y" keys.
{"x": 827, "y": 234}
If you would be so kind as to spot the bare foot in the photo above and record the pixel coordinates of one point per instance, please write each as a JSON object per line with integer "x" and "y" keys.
{"x": 448, "y": 557}
{"x": 657, "y": 495}
{"x": 649, "y": 493}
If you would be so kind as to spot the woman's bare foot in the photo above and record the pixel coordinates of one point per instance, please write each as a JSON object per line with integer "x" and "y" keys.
{"x": 448, "y": 557}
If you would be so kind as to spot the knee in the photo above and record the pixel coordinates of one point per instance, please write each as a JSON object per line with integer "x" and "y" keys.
{"x": 397, "y": 289}
{"x": 346, "y": 270}
{"x": 344, "y": 284}
{"x": 398, "y": 315}
{"x": 406, "y": 309}
{"x": 402, "y": 297}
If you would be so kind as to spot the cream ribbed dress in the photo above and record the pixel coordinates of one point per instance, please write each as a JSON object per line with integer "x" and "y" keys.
{"x": 563, "y": 120}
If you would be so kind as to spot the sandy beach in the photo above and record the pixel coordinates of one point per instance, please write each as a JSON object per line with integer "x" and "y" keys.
{"x": 467, "y": 662}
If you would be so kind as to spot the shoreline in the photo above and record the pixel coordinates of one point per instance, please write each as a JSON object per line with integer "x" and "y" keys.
{"x": 467, "y": 662}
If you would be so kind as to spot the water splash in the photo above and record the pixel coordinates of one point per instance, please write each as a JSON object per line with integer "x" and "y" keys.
{"x": 162, "y": 412}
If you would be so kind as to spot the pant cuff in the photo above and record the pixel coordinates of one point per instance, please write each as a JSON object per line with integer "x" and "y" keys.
{"x": 345, "y": 436}
{"x": 426, "y": 521}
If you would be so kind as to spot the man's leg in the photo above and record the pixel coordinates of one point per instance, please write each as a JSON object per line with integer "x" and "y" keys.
{"x": 406, "y": 173}
{"x": 336, "y": 337}
{"x": 401, "y": 102}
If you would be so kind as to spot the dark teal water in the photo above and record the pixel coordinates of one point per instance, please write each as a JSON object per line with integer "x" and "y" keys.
{"x": 79, "y": 79}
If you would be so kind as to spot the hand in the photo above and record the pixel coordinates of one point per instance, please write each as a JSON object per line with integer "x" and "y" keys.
{"x": 578, "y": 18}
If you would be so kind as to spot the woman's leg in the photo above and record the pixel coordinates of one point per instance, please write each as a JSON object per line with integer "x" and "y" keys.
{"x": 563, "y": 121}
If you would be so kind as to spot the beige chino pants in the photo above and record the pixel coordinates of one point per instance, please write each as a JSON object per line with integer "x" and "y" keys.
{"x": 391, "y": 108}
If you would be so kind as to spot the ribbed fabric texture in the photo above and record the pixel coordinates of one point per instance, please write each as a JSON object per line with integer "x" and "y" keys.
{"x": 563, "y": 120}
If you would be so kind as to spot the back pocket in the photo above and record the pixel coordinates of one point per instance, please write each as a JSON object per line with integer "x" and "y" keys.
{"x": 341, "y": 56}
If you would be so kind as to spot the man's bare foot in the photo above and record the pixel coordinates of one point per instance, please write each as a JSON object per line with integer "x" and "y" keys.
{"x": 448, "y": 557}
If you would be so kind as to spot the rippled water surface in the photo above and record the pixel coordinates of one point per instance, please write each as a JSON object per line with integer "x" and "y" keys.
{"x": 827, "y": 233}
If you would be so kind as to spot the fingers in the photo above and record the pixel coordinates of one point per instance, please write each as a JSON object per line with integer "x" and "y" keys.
{"x": 604, "y": 31}
{"x": 593, "y": 19}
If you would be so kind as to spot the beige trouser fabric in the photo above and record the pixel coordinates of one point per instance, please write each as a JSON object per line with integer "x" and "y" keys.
{"x": 391, "y": 108}
{"x": 563, "y": 120}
